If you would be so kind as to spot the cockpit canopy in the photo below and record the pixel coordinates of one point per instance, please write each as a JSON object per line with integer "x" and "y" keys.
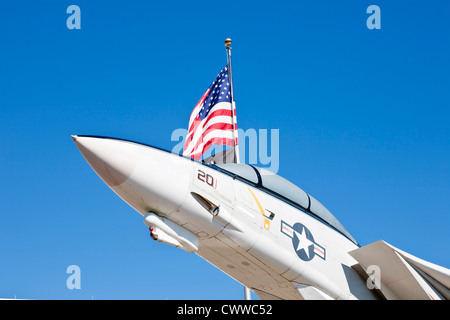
{"x": 283, "y": 189}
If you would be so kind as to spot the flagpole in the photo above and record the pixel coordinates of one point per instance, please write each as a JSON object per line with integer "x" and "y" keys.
{"x": 233, "y": 107}
{"x": 247, "y": 295}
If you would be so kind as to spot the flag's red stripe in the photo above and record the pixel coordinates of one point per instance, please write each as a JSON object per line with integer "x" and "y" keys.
{"x": 189, "y": 138}
{"x": 200, "y": 102}
{"x": 197, "y": 121}
{"x": 220, "y": 112}
{"x": 215, "y": 126}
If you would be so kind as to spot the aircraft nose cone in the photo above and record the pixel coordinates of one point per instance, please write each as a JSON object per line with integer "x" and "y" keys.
{"x": 147, "y": 178}
{"x": 111, "y": 160}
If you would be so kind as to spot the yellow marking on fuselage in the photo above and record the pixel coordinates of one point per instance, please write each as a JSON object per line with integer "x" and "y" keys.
{"x": 266, "y": 221}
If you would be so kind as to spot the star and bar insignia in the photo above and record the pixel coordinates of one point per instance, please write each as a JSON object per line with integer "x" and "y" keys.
{"x": 303, "y": 241}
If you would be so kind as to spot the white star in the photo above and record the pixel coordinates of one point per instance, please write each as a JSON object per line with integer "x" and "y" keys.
{"x": 303, "y": 243}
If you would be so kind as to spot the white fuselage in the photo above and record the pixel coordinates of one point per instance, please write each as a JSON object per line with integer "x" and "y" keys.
{"x": 265, "y": 243}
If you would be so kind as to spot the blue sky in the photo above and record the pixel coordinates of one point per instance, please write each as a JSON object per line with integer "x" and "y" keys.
{"x": 362, "y": 116}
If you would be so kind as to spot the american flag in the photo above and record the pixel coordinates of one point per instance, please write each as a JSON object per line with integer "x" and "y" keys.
{"x": 212, "y": 119}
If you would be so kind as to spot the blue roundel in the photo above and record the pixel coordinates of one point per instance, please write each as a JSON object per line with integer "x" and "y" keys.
{"x": 303, "y": 242}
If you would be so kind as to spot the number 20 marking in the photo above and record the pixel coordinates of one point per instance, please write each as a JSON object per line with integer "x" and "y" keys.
{"x": 207, "y": 178}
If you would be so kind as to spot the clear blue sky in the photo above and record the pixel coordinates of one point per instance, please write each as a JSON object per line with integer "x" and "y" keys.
{"x": 363, "y": 117}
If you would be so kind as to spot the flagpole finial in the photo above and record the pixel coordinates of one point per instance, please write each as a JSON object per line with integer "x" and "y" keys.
{"x": 227, "y": 42}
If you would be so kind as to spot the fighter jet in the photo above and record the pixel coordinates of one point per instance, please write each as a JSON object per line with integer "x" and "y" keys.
{"x": 257, "y": 227}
